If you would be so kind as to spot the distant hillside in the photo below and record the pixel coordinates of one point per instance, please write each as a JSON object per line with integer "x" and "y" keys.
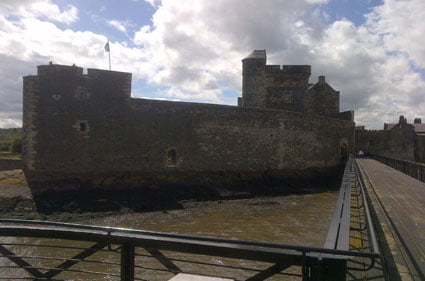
{"x": 6, "y": 134}
{"x": 9, "y": 137}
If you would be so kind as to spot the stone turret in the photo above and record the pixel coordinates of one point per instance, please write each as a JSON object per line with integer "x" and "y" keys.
{"x": 253, "y": 82}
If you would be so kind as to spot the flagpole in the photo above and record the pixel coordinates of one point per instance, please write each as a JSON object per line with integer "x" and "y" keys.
{"x": 109, "y": 59}
{"x": 109, "y": 53}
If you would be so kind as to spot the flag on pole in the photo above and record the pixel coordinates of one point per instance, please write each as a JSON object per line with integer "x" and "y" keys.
{"x": 107, "y": 46}
{"x": 109, "y": 53}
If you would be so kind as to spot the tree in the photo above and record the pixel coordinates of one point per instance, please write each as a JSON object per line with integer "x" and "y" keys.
{"x": 16, "y": 145}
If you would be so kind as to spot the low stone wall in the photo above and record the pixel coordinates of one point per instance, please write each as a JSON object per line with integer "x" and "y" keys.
{"x": 10, "y": 164}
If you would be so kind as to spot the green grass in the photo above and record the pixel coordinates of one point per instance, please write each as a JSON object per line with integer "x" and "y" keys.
{"x": 6, "y": 154}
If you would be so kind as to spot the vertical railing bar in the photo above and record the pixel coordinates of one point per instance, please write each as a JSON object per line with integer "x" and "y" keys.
{"x": 127, "y": 262}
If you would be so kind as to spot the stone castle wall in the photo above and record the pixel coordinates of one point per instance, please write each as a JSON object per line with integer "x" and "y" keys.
{"x": 420, "y": 148}
{"x": 398, "y": 142}
{"x": 79, "y": 127}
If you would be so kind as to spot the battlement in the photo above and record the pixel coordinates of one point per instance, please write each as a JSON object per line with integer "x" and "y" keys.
{"x": 296, "y": 69}
{"x": 288, "y": 69}
{"x": 104, "y": 81}
{"x": 49, "y": 69}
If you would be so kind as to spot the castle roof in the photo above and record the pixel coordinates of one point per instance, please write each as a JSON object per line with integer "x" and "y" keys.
{"x": 257, "y": 54}
{"x": 419, "y": 128}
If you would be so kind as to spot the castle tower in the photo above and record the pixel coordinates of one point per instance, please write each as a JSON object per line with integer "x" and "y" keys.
{"x": 62, "y": 109}
{"x": 253, "y": 80}
{"x": 273, "y": 86}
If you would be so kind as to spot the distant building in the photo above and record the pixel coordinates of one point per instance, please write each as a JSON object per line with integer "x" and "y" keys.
{"x": 401, "y": 140}
{"x": 87, "y": 129}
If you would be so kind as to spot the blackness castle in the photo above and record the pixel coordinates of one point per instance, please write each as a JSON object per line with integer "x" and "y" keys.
{"x": 86, "y": 128}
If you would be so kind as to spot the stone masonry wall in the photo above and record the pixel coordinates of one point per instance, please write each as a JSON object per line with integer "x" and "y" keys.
{"x": 322, "y": 99}
{"x": 85, "y": 126}
{"x": 398, "y": 142}
{"x": 420, "y": 148}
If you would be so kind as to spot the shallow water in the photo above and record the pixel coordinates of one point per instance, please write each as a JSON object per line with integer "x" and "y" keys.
{"x": 300, "y": 219}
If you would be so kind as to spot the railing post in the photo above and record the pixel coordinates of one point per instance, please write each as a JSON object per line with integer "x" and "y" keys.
{"x": 127, "y": 262}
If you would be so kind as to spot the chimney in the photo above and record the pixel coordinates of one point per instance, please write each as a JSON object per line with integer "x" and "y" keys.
{"x": 402, "y": 120}
{"x": 322, "y": 80}
{"x": 417, "y": 121}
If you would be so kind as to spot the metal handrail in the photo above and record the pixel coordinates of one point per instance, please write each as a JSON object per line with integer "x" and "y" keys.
{"x": 338, "y": 232}
{"x": 371, "y": 229}
{"x": 369, "y": 224}
{"x": 239, "y": 249}
{"x": 411, "y": 168}
{"x": 122, "y": 233}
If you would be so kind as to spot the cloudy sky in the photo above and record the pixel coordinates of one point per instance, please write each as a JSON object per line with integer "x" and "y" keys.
{"x": 372, "y": 51}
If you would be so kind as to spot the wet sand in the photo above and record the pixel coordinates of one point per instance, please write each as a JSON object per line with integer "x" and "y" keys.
{"x": 298, "y": 219}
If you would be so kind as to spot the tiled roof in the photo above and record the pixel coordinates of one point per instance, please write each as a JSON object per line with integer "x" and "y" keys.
{"x": 419, "y": 128}
{"x": 257, "y": 54}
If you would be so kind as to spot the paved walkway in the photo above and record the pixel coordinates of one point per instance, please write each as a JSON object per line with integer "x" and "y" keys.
{"x": 401, "y": 199}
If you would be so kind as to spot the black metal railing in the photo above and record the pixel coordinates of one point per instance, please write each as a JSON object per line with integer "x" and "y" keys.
{"x": 42, "y": 250}
{"x": 340, "y": 230}
{"x": 413, "y": 169}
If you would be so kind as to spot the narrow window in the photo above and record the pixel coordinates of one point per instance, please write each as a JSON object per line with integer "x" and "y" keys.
{"x": 82, "y": 127}
{"x": 287, "y": 97}
{"x": 171, "y": 159}
{"x": 81, "y": 93}
{"x": 56, "y": 96}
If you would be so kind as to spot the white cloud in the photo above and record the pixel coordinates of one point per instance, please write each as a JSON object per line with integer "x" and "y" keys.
{"x": 121, "y": 25}
{"x": 402, "y": 26}
{"x": 11, "y": 90}
{"x": 118, "y": 25}
{"x": 29, "y": 41}
{"x": 317, "y": 1}
{"x": 193, "y": 49}
{"x": 193, "y": 39}
{"x": 358, "y": 60}
{"x": 39, "y": 9}
{"x": 153, "y": 3}
{"x": 52, "y": 12}
{"x": 378, "y": 84}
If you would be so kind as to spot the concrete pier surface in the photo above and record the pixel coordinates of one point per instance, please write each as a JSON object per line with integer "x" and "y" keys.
{"x": 398, "y": 201}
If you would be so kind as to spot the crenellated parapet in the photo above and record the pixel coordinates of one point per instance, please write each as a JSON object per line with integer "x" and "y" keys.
{"x": 289, "y": 69}
{"x": 114, "y": 84}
